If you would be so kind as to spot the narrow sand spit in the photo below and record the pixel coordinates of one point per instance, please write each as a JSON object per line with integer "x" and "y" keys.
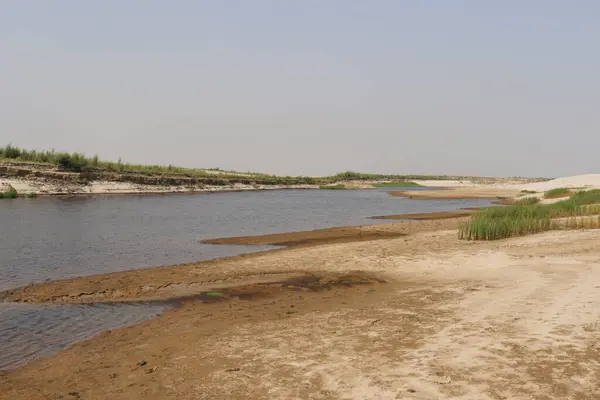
{"x": 513, "y": 319}
{"x": 457, "y": 193}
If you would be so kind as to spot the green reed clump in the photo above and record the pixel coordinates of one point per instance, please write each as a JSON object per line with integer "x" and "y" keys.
{"x": 493, "y": 227}
{"x": 339, "y": 186}
{"x": 527, "y": 201}
{"x": 11, "y": 194}
{"x": 500, "y": 228}
{"x": 518, "y": 220}
{"x": 582, "y": 223}
{"x": 586, "y": 196}
{"x": 557, "y": 193}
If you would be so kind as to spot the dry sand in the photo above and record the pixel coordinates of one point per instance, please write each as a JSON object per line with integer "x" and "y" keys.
{"x": 471, "y": 189}
{"x": 514, "y": 319}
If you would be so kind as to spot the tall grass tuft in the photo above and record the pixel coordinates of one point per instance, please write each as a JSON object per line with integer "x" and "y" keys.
{"x": 582, "y": 223}
{"x": 557, "y": 193}
{"x": 527, "y": 201}
{"x": 518, "y": 220}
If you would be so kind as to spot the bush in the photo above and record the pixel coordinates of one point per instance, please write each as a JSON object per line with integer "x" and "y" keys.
{"x": 12, "y": 194}
{"x": 333, "y": 187}
{"x": 75, "y": 162}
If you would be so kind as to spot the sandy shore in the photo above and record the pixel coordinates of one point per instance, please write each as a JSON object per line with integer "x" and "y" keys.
{"x": 454, "y": 190}
{"x": 518, "y": 318}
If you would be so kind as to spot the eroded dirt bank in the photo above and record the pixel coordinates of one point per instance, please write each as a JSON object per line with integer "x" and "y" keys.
{"x": 514, "y": 319}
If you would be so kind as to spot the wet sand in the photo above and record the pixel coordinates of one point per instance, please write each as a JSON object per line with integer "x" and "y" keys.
{"x": 168, "y": 282}
{"x": 430, "y": 216}
{"x": 418, "y": 316}
{"x": 310, "y": 238}
{"x": 350, "y": 233}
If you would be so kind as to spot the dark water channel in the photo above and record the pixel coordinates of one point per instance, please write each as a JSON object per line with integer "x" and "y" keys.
{"x": 54, "y": 238}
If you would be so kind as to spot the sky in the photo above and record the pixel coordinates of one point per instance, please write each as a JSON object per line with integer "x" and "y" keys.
{"x": 308, "y": 87}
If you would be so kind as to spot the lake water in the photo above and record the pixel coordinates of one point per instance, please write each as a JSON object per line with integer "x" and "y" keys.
{"x": 54, "y": 238}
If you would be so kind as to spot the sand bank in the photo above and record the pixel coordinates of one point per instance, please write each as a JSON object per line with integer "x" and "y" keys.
{"x": 471, "y": 190}
{"x": 516, "y": 319}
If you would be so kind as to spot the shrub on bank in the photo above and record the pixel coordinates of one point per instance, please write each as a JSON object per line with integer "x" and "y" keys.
{"x": 333, "y": 187}
{"x": 12, "y": 194}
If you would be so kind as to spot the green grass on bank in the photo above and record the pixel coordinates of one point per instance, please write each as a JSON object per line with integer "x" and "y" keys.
{"x": 395, "y": 184}
{"x": 557, "y": 193}
{"x": 518, "y": 220}
{"x": 527, "y": 201}
{"x": 339, "y": 186}
{"x": 77, "y": 162}
{"x": 12, "y": 194}
{"x": 528, "y": 192}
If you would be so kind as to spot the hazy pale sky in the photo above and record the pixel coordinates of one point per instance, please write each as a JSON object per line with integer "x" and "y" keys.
{"x": 315, "y": 87}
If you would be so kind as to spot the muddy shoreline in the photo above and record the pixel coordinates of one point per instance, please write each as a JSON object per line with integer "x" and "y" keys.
{"x": 411, "y": 335}
{"x": 168, "y": 282}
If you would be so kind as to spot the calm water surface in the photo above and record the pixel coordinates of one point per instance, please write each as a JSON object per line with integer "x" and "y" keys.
{"x": 55, "y": 238}
{"x": 32, "y": 331}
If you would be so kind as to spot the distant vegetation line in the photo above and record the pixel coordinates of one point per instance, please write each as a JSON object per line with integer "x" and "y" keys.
{"x": 78, "y": 162}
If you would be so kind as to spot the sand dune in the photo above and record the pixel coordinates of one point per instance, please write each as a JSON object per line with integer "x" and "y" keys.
{"x": 577, "y": 181}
